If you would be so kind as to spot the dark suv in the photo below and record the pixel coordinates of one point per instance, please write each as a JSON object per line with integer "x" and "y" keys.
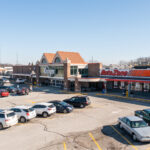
{"x": 62, "y": 107}
{"x": 79, "y": 101}
{"x": 144, "y": 114}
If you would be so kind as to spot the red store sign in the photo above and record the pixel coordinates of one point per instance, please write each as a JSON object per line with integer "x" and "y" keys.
{"x": 114, "y": 72}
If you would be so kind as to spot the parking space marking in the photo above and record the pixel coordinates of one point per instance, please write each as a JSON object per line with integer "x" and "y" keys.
{"x": 92, "y": 137}
{"x": 65, "y": 148}
{"x": 33, "y": 102}
{"x": 133, "y": 146}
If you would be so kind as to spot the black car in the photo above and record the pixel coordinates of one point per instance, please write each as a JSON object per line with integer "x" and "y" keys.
{"x": 144, "y": 114}
{"x": 79, "y": 101}
{"x": 62, "y": 107}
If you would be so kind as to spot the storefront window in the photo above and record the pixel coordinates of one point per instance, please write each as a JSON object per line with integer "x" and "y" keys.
{"x": 83, "y": 72}
{"x": 74, "y": 70}
{"x": 115, "y": 84}
{"x": 137, "y": 87}
{"x": 146, "y": 87}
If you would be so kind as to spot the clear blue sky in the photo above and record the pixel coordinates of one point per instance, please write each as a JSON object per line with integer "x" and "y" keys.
{"x": 108, "y": 30}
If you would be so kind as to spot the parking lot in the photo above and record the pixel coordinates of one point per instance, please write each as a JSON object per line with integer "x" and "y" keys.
{"x": 91, "y": 128}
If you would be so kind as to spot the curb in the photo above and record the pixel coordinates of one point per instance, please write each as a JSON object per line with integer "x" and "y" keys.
{"x": 129, "y": 98}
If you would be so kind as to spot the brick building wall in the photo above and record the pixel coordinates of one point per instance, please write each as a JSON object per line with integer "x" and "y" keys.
{"x": 94, "y": 69}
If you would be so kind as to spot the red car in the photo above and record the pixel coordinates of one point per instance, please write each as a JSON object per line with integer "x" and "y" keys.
{"x": 4, "y": 93}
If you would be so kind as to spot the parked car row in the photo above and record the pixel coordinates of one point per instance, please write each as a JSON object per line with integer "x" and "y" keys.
{"x": 5, "y": 91}
{"x": 23, "y": 113}
{"x": 137, "y": 126}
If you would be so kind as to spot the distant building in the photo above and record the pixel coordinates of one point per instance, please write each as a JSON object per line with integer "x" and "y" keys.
{"x": 62, "y": 69}
{"x": 6, "y": 70}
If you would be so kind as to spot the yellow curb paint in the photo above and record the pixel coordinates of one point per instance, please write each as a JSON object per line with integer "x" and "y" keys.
{"x": 133, "y": 146}
{"x": 130, "y": 98}
{"x": 33, "y": 102}
{"x": 92, "y": 137}
{"x": 65, "y": 148}
{"x": 84, "y": 93}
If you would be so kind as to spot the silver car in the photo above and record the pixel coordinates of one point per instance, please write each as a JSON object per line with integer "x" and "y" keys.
{"x": 136, "y": 127}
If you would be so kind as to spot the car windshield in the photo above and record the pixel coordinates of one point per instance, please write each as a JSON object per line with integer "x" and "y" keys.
{"x": 147, "y": 111}
{"x": 11, "y": 114}
{"x": 138, "y": 124}
{"x": 63, "y": 103}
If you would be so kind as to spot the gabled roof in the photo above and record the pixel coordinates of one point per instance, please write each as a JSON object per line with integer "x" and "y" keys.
{"x": 75, "y": 57}
{"x": 49, "y": 57}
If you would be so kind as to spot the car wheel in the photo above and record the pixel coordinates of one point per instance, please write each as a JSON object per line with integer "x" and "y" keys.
{"x": 120, "y": 126}
{"x": 134, "y": 137}
{"x": 65, "y": 111}
{"x": 45, "y": 114}
{"x": 23, "y": 119}
{"x": 81, "y": 106}
{"x": 1, "y": 126}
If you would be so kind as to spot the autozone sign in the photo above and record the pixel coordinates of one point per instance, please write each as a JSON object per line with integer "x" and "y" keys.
{"x": 114, "y": 72}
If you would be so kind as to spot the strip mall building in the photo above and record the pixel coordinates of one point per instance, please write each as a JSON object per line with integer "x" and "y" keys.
{"x": 68, "y": 70}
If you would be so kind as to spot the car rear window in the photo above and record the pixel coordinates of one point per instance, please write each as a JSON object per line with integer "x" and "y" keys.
{"x": 28, "y": 110}
{"x": 64, "y": 103}
{"x": 11, "y": 114}
{"x": 83, "y": 99}
{"x": 51, "y": 106}
{"x": 2, "y": 116}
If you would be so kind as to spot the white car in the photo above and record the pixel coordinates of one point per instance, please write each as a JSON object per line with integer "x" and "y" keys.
{"x": 44, "y": 109}
{"x": 24, "y": 113}
{"x": 5, "y": 80}
{"x": 7, "y": 119}
{"x": 20, "y": 81}
{"x": 136, "y": 127}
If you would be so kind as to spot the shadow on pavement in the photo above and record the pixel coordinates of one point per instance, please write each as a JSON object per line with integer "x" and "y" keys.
{"x": 109, "y": 131}
{"x": 123, "y": 99}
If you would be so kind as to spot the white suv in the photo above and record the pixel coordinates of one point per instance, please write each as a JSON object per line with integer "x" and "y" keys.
{"x": 7, "y": 119}
{"x": 44, "y": 109}
{"x": 24, "y": 113}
